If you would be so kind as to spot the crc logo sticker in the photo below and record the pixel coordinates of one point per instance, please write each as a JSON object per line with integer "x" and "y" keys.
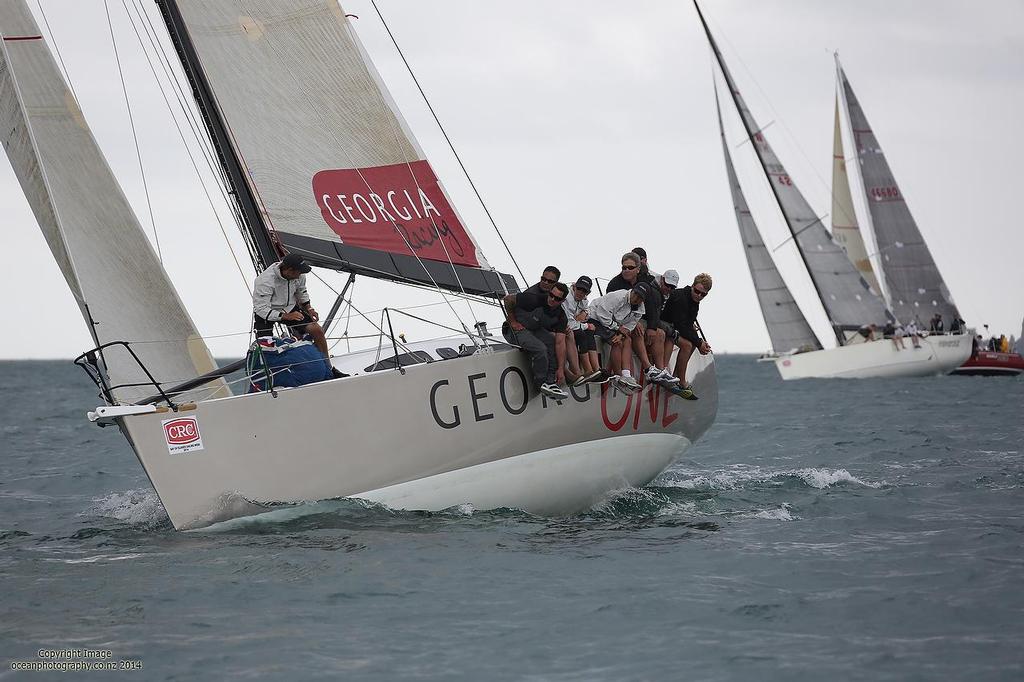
{"x": 182, "y": 435}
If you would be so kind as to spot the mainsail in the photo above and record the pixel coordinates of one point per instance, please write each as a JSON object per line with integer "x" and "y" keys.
{"x": 108, "y": 262}
{"x": 847, "y": 298}
{"x": 912, "y": 279}
{"x": 336, "y": 171}
{"x": 787, "y": 326}
{"x": 845, "y": 229}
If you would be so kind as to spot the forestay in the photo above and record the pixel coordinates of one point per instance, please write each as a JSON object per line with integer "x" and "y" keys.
{"x": 787, "y": 326}
{"x": 337, "y": 172}
{"x": 845, "y": 228}
{"x": 113, "y": 273}
{"x": 915, "y": 286}
{"x": 847, "y": 298}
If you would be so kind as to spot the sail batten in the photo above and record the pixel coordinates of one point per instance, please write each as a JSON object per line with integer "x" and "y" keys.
{"x": 110, "y": 266}
{"x": 848, "y": 300}
{"x": 788, "y": 329}
{"x": 914, "y": 285}
{"x": 337, "y": 171}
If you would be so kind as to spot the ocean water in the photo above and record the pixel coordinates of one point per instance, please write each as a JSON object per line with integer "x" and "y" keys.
{"x": 853, "y": 530}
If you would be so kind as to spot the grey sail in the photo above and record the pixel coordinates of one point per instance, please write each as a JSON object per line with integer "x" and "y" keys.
{"x": 847, "y": 298}
{"x": 912, "y": 279}
{"x": 787, "y": 326}
{"x": 337, "y": 173}
{"x": 845, "y": 228}
{"x": 117, "y": 280}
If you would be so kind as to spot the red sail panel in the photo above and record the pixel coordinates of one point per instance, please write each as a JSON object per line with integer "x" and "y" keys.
{"x": 398, "y": 208}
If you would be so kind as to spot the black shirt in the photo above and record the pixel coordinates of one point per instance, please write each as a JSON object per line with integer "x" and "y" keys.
{"x": 653, "y": 303}
{"x": 681, "y": 312}
{"x": 533, "y": 312}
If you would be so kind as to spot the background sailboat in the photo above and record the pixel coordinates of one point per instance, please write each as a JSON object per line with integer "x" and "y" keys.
{"x": 848, "y": 299}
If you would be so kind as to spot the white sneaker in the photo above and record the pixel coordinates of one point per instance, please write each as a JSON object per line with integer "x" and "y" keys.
{"x": 653, "y": 373}
{"x": 628, "y": 381}
{"x": 666, "y": 377}
{"x": 553, "y": 391}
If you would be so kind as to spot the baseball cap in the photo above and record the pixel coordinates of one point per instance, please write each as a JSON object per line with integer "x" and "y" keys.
{"x": 640, "y": 251}
{"x": 294, "y": 261}
{"x": 584, "y": 283}
{"x": 642, "y": 289}
{"x": 671, "y": 278}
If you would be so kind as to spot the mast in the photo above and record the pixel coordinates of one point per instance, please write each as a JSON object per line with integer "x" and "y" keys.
{"x": 751, "y": 133}
{"x": 262, "y": 245}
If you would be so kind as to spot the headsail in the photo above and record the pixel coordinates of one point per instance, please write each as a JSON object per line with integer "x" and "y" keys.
{"x": 338, "y": 175}
{"x": 847, "y": 298}
{"x": 120, "y": 286}
{"x": 787, "y": 326}
{"x": 845, "y": 229}
{"x": 912, "y": 279}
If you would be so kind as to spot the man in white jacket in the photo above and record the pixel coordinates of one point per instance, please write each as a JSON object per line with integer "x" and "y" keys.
{"x": 279, "y": 296}
{"x": 614, "y": 317}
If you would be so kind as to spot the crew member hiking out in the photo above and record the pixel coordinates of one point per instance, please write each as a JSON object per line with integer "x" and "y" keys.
{"x": 681, "y": 311}
{"x": 535, "y": 320}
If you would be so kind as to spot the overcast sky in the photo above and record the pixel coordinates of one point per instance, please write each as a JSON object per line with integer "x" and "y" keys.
{"x": 589, "y": 127}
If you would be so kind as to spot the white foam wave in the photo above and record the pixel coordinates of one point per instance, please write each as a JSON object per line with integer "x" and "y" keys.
{"x": 739, "y": 477}
{"x": 823, "y": 478}
{"x": 137, "y": 507}
{"x": 780, "y": 514}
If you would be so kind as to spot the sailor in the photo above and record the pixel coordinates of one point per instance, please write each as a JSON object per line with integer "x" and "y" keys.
{"x": 279, "y": 296}
{"x": 914, "y": 333}
{"x": 614, "y": 317}
{"x": 646, "y": 274}
{"x": 936, "y": 326}
{"x": 535, "y": 320}
{"x": 681, "y": 312}
{"x": 581, "y": 347}
{"x": 868, "y": 332}
{"x": 646, "y": 331}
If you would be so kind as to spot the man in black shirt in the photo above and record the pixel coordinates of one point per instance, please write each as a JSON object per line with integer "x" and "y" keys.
{"x": 681, "y": 312}
{"x": 536, "y": 321}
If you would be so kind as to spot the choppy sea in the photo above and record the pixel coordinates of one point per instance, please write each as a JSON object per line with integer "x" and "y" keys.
{"x": 825, "y": 529}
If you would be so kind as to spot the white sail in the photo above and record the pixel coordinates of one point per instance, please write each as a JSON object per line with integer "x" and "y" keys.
{"x": 108, "y": 262}
{"x": 787, "y": 326}
{"x": 912, "y": 279}
{"x": 847, "y": 298}
{"x": 338, "y": 174}
{"x": 845, "y": 229}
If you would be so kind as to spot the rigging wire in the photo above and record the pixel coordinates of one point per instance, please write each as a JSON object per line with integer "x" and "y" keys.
{"x": 135, "y": 137}
{"x": 448, "y": 139}
{"x": 394, "y": 133}
{"x": 195, "y": 167}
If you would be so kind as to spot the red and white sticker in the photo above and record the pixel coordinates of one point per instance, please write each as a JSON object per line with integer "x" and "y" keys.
{"x": 182, "y": 435}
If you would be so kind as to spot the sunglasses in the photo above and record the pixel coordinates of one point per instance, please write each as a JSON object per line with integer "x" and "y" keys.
{"x": 700, "y": 292}
{"x": 557, "y": 298}
{"x": 629, "y": 267}
{"x": 548, "y": 281}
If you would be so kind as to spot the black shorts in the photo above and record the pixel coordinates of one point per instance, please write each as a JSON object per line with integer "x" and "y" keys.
{"x": 298, "y": 327}
{"x": 602, "y": 331}
{"x": 670, "y": 332}
{"x": 585, "y": 340}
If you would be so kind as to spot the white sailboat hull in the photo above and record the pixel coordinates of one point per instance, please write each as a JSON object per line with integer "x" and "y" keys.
{"x": 937, "y": 355}
{"x": 441, "y": 434}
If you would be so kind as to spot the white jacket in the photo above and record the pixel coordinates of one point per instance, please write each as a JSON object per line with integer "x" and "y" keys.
{"x": 613, "y": 310}
{"x": 273, "y": 295}
{"x": 572, "y": 308}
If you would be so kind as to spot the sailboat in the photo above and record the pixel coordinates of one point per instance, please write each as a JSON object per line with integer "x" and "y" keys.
{"x": 850, "y": 302}
{"x": 320, "y": 162}
{"x": 915, "y": 287}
